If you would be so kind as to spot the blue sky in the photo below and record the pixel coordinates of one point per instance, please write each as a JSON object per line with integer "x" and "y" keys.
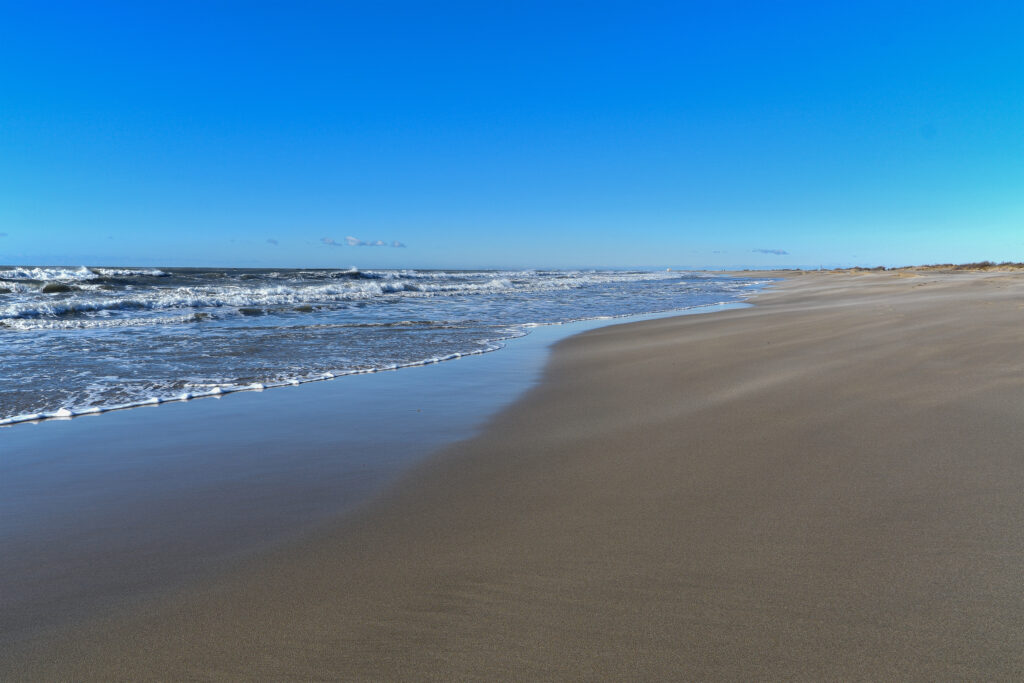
{"x": 513, "y": 134}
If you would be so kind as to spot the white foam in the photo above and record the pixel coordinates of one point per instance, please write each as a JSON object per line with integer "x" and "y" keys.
{"x": 28, "y": 273}
{"x": 28, "y": 417}
{"x": 238, "y": 296}
{"x": 130, "y": 272}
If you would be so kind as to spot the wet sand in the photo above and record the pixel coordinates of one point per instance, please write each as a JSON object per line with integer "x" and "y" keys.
{"x": 827, "y": 485}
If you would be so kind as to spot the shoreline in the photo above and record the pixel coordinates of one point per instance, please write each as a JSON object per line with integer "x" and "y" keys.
{"x": 496, "y": 344}
{"x": 824, "y": 485}
{"x": 313, "y": 326}
{"x": 100, "y": 514}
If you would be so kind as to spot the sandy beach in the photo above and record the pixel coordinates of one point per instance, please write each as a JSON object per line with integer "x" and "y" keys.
{"x": 826, "y": 485}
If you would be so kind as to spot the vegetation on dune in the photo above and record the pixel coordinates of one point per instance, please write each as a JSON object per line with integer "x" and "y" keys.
{"x": 977, "y": 265}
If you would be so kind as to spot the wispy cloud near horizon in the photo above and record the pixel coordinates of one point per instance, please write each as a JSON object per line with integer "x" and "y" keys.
{"x": 271, "y": 240}
{"x": 774, "y": 252}
{"x": 350, "y": 241}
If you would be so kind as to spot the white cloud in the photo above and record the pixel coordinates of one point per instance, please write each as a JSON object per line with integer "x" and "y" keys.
{"x": 776, "y": 252}
{"x": 356, "y": 242}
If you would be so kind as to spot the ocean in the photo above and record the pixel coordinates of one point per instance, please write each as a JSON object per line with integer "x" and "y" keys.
{"x": 82, "y": 340}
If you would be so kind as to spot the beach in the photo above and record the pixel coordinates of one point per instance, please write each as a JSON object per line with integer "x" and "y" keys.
{"x": 826, "y": 485}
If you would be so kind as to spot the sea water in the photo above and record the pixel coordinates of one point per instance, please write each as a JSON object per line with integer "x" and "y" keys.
{"x": 80, "y": 340}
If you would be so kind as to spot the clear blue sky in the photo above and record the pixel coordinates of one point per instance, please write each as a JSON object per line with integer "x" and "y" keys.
{"x": 515, "y": 134}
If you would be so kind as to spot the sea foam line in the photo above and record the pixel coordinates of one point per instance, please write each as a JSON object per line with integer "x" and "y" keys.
{"x": 68, "y": 413}
{"x": 493, "y": 345}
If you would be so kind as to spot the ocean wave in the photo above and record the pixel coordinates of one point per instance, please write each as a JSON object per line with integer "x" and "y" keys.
{"x": 130, "y": 272}
{"x": 238, "y": 297}
{"x": 15, "y": 287}
{"x": 91, "y": 298}
{"x": 74, "y": 274}
{"x": 46, "y": 274}
{"x": 29, "y": 324}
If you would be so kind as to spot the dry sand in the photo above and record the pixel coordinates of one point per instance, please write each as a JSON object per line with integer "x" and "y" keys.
{"x": 827, "y": 485}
